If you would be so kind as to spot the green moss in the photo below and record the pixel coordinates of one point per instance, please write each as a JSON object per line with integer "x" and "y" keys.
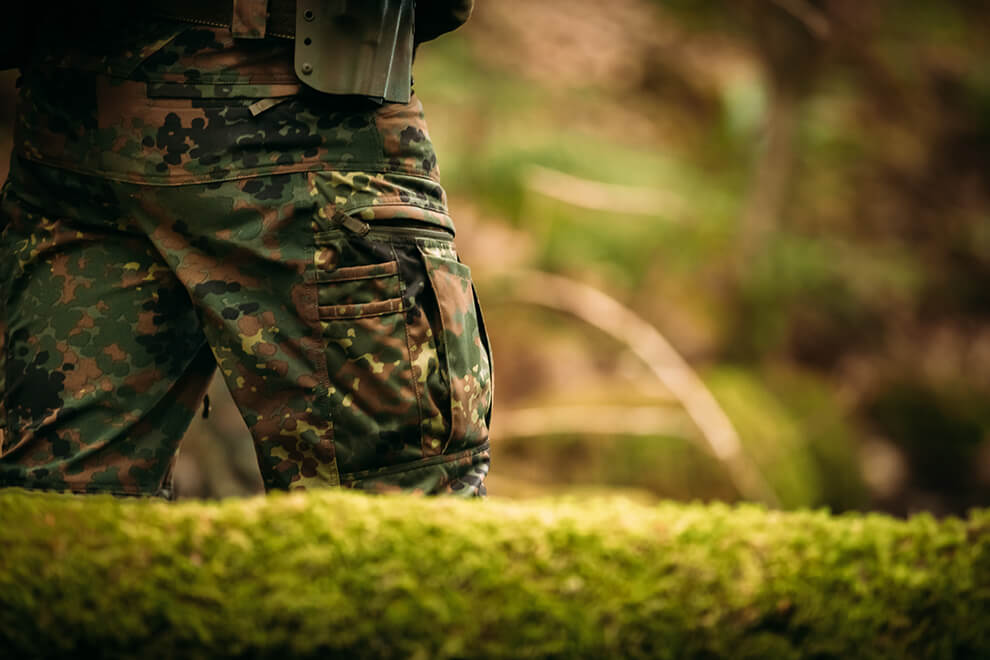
{"x": 340, "y": 574}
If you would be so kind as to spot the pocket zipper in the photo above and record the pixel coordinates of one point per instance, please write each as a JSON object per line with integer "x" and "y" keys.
{"x": 350, "y": 223}
{"x": 355, "y": 226}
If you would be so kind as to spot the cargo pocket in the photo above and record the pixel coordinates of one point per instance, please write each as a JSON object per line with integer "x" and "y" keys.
{"x": 463, "y": 347}
{"x": 373, "y": 393}
{"x": 407, "y": 354}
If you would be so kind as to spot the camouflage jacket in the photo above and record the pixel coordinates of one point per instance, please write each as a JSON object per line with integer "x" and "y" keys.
{"x": 21, "y": 29}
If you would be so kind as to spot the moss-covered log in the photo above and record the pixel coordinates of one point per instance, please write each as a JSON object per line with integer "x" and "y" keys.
{"x": 330, "y": 573}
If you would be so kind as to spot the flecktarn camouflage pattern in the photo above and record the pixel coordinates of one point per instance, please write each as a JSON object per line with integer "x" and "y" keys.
{"x": 183, "y": 205}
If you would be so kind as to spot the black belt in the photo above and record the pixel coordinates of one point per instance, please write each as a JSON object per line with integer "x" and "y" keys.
{"x": 219, "y": 13}
{"x": 331, "y": 54}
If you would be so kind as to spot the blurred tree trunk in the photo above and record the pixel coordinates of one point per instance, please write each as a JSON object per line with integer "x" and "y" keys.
{"x": 789, "y": 36}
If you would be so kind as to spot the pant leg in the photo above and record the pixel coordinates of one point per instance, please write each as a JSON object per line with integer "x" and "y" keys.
{"x": 352, "y": 360}
{"x": 241, "y": 249}
{"x": 357, "y": 361}
{"x": 103, "y": 361}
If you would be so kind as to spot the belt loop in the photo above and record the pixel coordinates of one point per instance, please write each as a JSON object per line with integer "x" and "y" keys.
{"x": 250, "y": 19}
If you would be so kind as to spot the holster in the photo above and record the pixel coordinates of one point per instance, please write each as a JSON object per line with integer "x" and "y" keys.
{"x": 360, "y": 47}
{"x": 351, "y": 47}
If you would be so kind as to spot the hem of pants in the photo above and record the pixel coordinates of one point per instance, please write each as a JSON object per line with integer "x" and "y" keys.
{"x": 116, "y": 492}
{"x": 414, "y": 465}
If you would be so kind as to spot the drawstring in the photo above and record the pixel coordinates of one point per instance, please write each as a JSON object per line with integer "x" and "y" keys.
{"x": 206, "y": 406}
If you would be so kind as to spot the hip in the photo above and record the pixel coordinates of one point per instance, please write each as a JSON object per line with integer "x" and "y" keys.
{"x": 117, "y": 129}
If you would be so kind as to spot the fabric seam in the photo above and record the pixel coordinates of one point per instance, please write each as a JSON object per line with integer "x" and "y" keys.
{"x": 86, "y": 491}
{"x": 412, "y": 368}
{"x": 329, "y": 316}
{"x": 409, "y": 467}
{"x": 192, "y": 180}
{"x": 319, "y": 354}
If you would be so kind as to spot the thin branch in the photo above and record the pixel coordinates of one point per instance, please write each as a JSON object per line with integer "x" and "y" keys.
{"x": 590, "y": 420}
{"x": 808, "y": 15}
{"x": 612, "y": 317}
{"x": 598, "y": 196}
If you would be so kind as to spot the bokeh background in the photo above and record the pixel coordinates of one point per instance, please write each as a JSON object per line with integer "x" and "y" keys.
{"x": 693, "y": 223}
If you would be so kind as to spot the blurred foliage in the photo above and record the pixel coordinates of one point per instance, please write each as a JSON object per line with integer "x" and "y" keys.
{"x": 815, "y": 237}
{"x": 824, "y": 225}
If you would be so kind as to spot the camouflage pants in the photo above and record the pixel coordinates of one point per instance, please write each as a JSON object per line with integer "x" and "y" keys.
{"x": 351, "y": 341}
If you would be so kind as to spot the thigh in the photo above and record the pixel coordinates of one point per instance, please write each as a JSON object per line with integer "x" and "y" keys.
{"x": 355, "y": 360}
{"x": 244, "y": 251}
{"x": 102, "y": 362}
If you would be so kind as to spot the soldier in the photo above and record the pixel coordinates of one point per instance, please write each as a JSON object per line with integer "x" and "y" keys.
{"x": 242, "y": 184}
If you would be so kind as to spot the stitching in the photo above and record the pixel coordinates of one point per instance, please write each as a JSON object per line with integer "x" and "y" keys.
{"x": 409, "y": 352}
{"x": 381, "y": 234}
{"x": 414, "y": 465}
{"x": 418, "y": 174}
{"x": 392, "y": 201}
{"x": 318, "y": 354}
{"x": 330, "y": 313}
{"x": 327, "y": 278}
{"x": 388, "y": 269}
{"x": 446, "y": 372}
{"x": 196, "y": 179}
{"x": 6, "y": 483}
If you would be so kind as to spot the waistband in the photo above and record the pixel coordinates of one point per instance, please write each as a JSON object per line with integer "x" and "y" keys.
{"x": 111, "y": 128}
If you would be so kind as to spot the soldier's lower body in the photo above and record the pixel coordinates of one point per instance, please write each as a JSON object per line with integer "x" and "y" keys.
{"x": 356, "y": 359}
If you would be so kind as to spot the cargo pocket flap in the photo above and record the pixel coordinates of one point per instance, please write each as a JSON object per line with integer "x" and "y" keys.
{"x": 465, "y": 349}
